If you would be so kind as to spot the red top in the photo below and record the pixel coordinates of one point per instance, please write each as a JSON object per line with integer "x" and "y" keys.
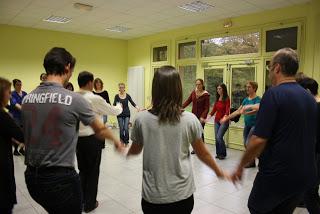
{"x": 222, "y": 108}
{"x": 200, "y": 106}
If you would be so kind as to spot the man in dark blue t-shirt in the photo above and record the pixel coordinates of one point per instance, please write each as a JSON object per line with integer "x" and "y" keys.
{"x": 284, "y": 141}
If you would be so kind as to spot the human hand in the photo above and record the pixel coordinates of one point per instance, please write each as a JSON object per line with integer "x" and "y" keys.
{"x": 223, "y": 120}
{"x": 202, "y": 120}
{"x": 237, "y": 175}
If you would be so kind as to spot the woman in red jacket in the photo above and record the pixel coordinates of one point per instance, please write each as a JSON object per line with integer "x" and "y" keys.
{"x": 222, "y": 107}
{"x": 200, "y": 99}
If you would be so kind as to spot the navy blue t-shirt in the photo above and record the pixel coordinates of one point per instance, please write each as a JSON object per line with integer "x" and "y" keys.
{"x": 287, "y": 119}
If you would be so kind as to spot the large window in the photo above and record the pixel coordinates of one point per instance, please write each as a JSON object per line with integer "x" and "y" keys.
{"x": 187, "y": 50}
{"x": 160, "y": 54}
{"x": 212, "y": 77}
{"x": 281, "y": 38}
{"x": 231, "y": 45}
{"x": 188, "y": 75}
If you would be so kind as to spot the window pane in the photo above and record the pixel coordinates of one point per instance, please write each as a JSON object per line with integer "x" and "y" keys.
{"x": 187, "y": 50}
{"x": 231, "y": 45}
{"x": 240, "y": 76}
{"x": 282, "y": 38}
{"x": 160, "y": 54}
{"x": 188, "y": 75}
{"x": 267, "y": 79}
{"x": 212, "y": 77}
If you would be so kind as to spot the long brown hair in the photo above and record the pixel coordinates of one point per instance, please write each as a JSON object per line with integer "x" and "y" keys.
{"x": 225, "y": 92}
{"x": 95, "y": 83}
{"x": 5, "y": 84}
{"x": 167, "y": 94}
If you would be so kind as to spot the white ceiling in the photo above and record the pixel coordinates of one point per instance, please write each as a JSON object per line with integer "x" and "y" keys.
{"x": 145, "y": 17}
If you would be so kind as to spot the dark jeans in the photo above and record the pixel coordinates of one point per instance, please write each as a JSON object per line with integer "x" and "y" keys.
{"x": 311, "y": 197}
{"x": 202, "y": 124}
{"x": 7, "y": 210}
{"x": 89, "y": 159}
{"x": 124, "y": 127}
{"x": 285, "y": 207}
{"x": 58, "y": 193}
{"x": 181, "y": 207}
{"x": 220, "y": 130}
{"x": 247, "y": 133}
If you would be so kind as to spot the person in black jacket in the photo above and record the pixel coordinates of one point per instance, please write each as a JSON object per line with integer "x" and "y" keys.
{"x": 8, "y": 130}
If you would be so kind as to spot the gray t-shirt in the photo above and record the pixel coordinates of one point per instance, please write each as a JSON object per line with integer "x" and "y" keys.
{"x": 51, "y": 117}
{"x": 167, "y": 169}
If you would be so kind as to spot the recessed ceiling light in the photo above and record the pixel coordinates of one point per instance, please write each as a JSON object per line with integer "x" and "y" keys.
{"x": 196, "y": 6}
{"x": 118, "y": 29}
{"x": 57, "y": 19}
{"x": 83, "y": 7}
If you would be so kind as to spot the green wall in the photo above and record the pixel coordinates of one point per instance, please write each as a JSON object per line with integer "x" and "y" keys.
{"x": 308, "y": 14}
{"x": 23, "y": 50}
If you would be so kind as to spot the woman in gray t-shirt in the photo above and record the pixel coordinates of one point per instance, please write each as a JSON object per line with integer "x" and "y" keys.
{"x": 166, "y": 132}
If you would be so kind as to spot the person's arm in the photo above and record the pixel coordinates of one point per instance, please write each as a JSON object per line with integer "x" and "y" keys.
{"x": 132, "y": 103}
{"x": 250, "y": 113}
{"x": 254, "y": 149}
{"x": 115, "y": 101}
{"x": 103, "y": 133}
{"x": 234, "y": 114}
{"x": 135, "y": 149}
{"x": 204, "y": 155}
{"x": 148, "y": 106}
{"x": 214, "y": 109}
{"x": 227, "y": 107}
{"x": 206, "y": 106}
{"x": 107, "y": 98}
{"x": 106, "y": 109}
{"x": 251, "y": 107}
{"x": 188, "y": 101}
{"x": 9, "y": 128}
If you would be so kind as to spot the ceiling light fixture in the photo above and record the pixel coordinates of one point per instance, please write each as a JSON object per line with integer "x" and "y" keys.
{"x": 118, "y": 29}
{"x": 196, "y": 6}
{"x": 83, "y": 7}
{"x": 57, "y": 19}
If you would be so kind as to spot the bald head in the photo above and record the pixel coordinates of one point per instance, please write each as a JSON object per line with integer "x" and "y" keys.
{"x": 288, "y": 61}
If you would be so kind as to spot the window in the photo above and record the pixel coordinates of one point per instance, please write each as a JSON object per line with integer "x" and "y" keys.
{"x": 188, "y": 75}
{"x": 160, "y": 54}
{"x": 231, "y": 45}
{"x": 187, "y": 50}
{"x": 212, "y": 77}
{"x": 267, "y": 78}
{"x": 281, "y": 38}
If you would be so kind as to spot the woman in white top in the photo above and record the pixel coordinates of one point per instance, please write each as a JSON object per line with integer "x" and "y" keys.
{"x": 165, "y": 133}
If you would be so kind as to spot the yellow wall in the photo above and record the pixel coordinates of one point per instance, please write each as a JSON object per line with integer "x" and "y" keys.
{"x": 23, "y": 49}
{"x": 139, "y": 50}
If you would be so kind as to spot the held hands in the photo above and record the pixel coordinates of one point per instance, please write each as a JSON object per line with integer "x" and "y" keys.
{"x": 120, "y": 104}
{"x": 202, "y": 120}
{"x": 223, "y": 175}
{"x": 223, "y": 120}
{"x": 237, "y": 175}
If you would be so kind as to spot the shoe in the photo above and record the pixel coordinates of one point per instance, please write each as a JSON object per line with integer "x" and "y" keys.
{"x": 21, "y": 151}
{"x": 217, "y": 156}
{"x": 16, "y": 153}
{"x": 193, "y": 152}
{"x": 250, "y": 165}
{"x": 89, "y": 210}
{"x": 221, "y": 157}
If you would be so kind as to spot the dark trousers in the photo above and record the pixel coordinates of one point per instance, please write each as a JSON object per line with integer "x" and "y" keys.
{"x": 311, "y": 197}
{"x": 285, "y": 207}
{"x": 57, "y": 193}
{"x": 124, "y": 128}
{"x": 181, "y": 207}
{"x": 89, "y": 158}
{"x": 202, "y": 124}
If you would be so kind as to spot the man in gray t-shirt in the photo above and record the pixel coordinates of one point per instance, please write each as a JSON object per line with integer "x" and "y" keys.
{"x": 51, "y": 116}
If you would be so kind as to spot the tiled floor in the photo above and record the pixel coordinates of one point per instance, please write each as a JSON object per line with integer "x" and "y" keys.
{"x": 121, "y": 178}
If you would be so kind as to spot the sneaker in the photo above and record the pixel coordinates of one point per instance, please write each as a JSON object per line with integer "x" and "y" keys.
{"x": 217, "y": 156}
{"x": 16, "y": 153}
{"x": 221, "y": 157}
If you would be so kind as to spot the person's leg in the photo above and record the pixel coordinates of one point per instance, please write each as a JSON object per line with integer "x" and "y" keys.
{"x": 126, "y": 130}
{"x": 216, "y": 130}
{"x": 120, "y": 122}
{"x": 311, "y": 196}
{"x": 289, "y": 205}
{"x": 105, "y": 119}
{"x": 93, "y": 176}
{"x": 184, "y": 206}
{"x": 247, "y": 133}
{"x": 15, "y": 144}
{"x": 57, "y": 193}
{"x": 222, "y": 146}
{"x": 82, "y": 164}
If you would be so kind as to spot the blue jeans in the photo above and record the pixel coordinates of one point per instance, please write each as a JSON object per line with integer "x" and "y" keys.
{"x": 105, "y": 119}
{"x": 202, "y": 124}
{"x": 56, "y": 192}
{"x": 220, "y": 130}
{"x": 124, "y": 127}
{"x": 247, "y": 133}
